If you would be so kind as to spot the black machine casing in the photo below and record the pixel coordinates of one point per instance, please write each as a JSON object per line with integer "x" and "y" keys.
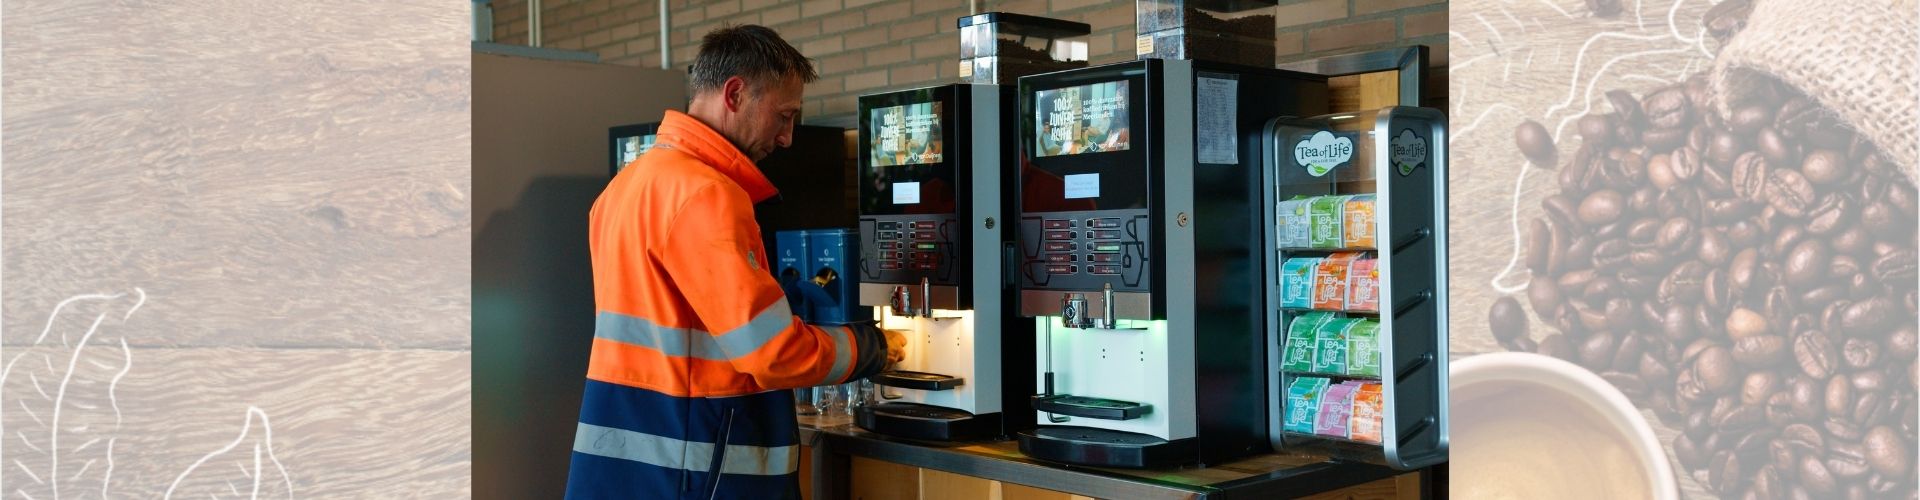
{"x": 938, "y": 255}
{"x": 1174, "y": 220}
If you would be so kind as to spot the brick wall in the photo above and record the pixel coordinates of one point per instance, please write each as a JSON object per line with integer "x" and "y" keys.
{"x": 863, "y": 46}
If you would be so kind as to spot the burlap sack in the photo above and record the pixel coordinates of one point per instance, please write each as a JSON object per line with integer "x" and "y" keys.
{"x": 1858, "y": 58}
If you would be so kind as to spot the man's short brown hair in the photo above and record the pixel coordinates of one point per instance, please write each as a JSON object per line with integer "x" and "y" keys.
{"x": 751, "y": 52}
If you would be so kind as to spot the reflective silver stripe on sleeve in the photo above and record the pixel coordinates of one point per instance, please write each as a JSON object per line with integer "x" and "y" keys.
{"x": 842, "y": 353}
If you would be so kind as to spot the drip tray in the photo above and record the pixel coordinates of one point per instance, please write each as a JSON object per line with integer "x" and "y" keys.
{"x": 1105, "y": 448}
{"x": 926, "y": 422}
{"x": 917, "y": 380}
{"x": 1082, "y": 406}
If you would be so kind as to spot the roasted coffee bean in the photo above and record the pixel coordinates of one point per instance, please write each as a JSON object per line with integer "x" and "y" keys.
{"x": 1743, "y": 234}
{"x": 1902, "y": 197}
{"x": 1601, "y": 207}
{"x": 1522, "y": 344}
{"x": 1805, "y": 436}
{"x": 1642, "y": 231}
{"x": 1676, "y": 236}
{"x": 1596, "y": 130}
{"x": 1777, "y": 148}
{"x": 1750, "y": 177}
{"x": 1839, "y": 397}
{"x": 1841, "y": 429}
{"x": 1660, "y": 172}
{"x": 1847, "y": 460}
{"x": 1807, "y": 263}
{"x": 1536, "y": 144}
{"x": 1749, "y": 118}
{"x": 1662, "y": 140}
{"x": 1717, "y": 294}
{"x": 1789, "y": 192}
{"x": 1743, "y": 323}
{"x": 1871, "y": 408}
{"x": 1683, "y": 284}
{"x": 1785, "y": 456}
{"x": 1744, "y": 272}
{"x": 1867, "y": 317}
{"x": 1825, "y": 167}
{"x": 1833, "y": 213}
{"x": 1507, "y": 320}
{"x": 1677, "y": 324}
{"x": 1785, "y": 237}
{"x": 1543, "y": 293}
{"x": 1760, "y": 351}
{"x": 1725, "y": 148}
{"x": 1815, "y": 354}
{"x": 1626, "y": 108}
{"x": 1717, "y": 179}
{"x": 1860, "y": 354}
{"x": 1895, "y": 267}
{"x": 1725, "y": 19}
{"x": 1610, "y": 255}
{"x": 1562, "y": 211}
{"x": 1854, "y": 240}
{"x": 1714, "y": 250}
{"x": 1767, "y": 484}
{"x": 1904, "y": 343}
{"x": 1724, "y": 474}
{"x": 1643, "y": 200}
{"x": 1596, "y": 352}
{"x": 1815, "y": 476}
{"x": 1714, "y": 369}
{"x": 1689, "y": 453}
{"x": 1740, "y": 420}
{"x": 1621, "y": 316}
{"x": 1629, "y": 384}
{"x": 1557, "y": 346}
{"x": 1889, "y": 453}
{"x": 1668, "y": 108}
{"x": 1868, "y": 380}
{"x": 1809, "y": 403}
{"x": 1542, "y": 245}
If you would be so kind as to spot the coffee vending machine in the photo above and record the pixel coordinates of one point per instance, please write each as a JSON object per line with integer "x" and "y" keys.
{"x": 933, "y": 179}
{"x": 1141, "y": 252}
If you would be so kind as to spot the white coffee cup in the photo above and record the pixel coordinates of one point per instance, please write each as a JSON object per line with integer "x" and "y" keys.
{"x": 1539, "y": 425}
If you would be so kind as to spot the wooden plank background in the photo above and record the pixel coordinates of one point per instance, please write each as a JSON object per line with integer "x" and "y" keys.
{"x": 1551, "y": 61}
{"x": 273, "y": 200}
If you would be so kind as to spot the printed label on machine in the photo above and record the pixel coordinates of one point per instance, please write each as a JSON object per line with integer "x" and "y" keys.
{"x": 1322, "y": 152}
{"x": 906, "y": 193}
{"x": 1214, "y": 113}
{"x": 1083, "y": 186}
{"x": 1409, "y": 151}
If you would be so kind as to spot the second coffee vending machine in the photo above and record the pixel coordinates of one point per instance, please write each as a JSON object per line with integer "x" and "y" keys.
{"x": 933, "y": 209}
{"x": 1141, "y": 252}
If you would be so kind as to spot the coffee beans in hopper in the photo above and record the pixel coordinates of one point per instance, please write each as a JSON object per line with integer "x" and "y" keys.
{"x": 1751, "y": 279}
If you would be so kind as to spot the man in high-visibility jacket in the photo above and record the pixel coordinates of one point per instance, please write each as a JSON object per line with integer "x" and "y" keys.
{"x": 695, "y": 345}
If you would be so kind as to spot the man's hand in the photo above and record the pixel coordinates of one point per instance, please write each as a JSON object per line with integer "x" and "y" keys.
{"x": 896, "y": 346}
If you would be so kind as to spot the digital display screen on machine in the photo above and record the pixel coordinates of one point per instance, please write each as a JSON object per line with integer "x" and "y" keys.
{"x": 908, "y": 134}
{"x": 1084, "y": 119}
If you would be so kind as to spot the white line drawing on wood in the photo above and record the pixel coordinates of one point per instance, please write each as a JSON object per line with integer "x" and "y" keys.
{"x": 246, "y": 428}
{"x": 54, "y": 421}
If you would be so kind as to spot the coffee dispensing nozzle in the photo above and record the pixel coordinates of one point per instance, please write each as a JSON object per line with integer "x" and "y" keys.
{"x": 1107, "y": 320}
{"x": 1073, "y": 312}
{"x": 902, "y": 301}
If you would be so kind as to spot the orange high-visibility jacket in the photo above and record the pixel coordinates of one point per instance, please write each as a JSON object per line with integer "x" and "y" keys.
{"x": 695, "y": 345}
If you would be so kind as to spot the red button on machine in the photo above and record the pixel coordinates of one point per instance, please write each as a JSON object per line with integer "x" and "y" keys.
{"x": 1059, "y": 224}
{"x": 889, "y": 265}
{"x": 924, "y": 224}
{"x": 924, "y": 236}
{"x": 1103, "y": 269}
{"x": 1104, "y": 234}
{"x": 926, "y": 265}
{"x": 1103, "y": 257}
{"x": 1061, "y": 269}
{"x": 1060, "y": 235}
{"x": 1060, "y": 246}
{"x": 1060, "y": 257}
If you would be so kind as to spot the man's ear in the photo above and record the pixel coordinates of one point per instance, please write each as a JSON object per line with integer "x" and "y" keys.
{"x": 734, "y": 93}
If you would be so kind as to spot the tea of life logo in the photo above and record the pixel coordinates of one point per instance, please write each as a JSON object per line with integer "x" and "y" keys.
{"x": 1409, "y": 151}
{"x": 1322, "y": 152}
